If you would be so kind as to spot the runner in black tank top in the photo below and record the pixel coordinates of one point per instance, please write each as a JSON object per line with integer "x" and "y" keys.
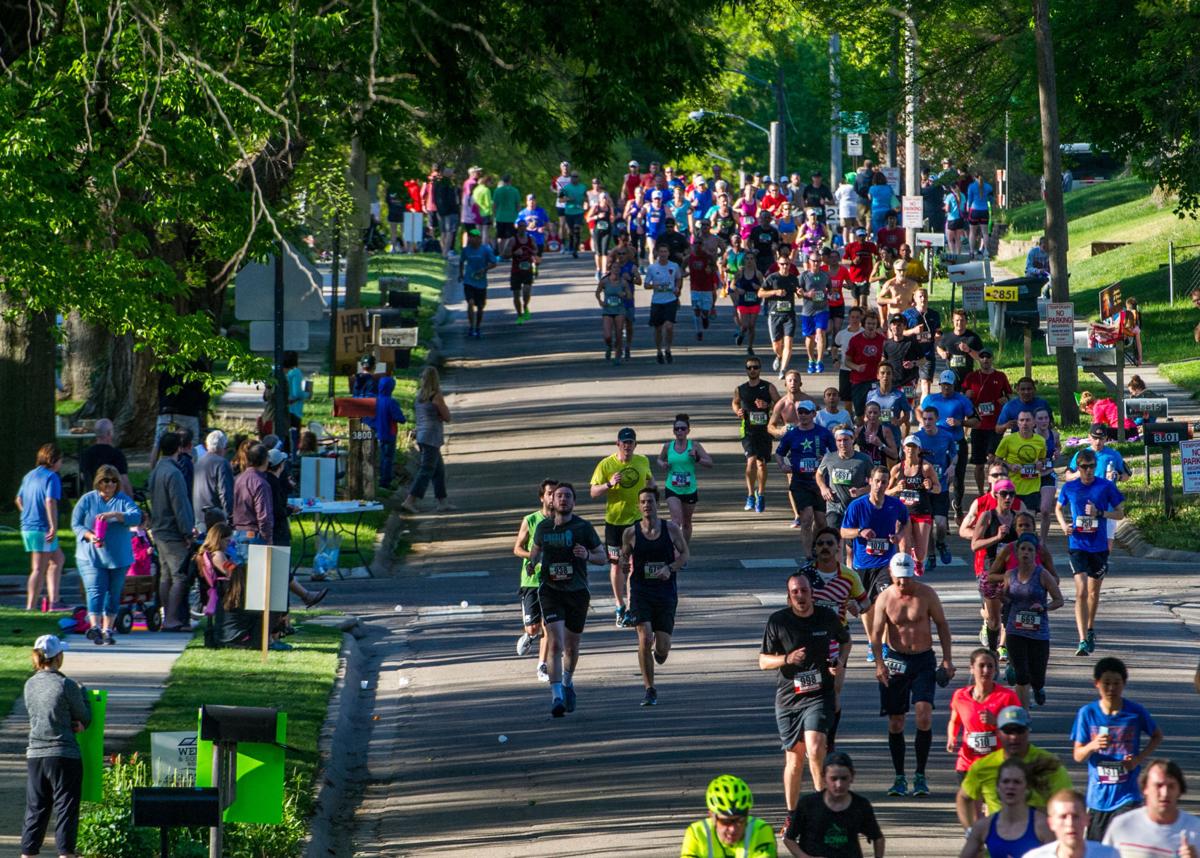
{"x": 752, "y": 403}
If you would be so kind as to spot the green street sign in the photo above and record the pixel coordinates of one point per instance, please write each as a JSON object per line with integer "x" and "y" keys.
{"x": 853, "y": 122}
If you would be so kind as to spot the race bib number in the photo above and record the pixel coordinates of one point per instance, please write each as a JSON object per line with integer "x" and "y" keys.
{"x": 758, "y": 418}
{"x": 878, "y": 547}
{"x": 886, "y": 414}
{"x": 808, "y": 466}
{"x": 1085, "y": 524}
{"x": 612, "y": 301}
{"x": 818, "y": 295}
{"x": 524, "y": 265}
{"x": 681, "y": 480}
{"x": 1028, "y": 621}
{"x": 601, "y": 226}
{"x": 982, "y": 743}
{"x": 1028, "y": 471}
{"x": 560, "y": 571}
{"x": 614, "y": 553}
{"x": 657, "y": 571}
{"x": 896, "y": 666}
{"x": 782, "y": 307}
{"x": 987, "y": 409}
{"x": 665, "y": 286}
{"x": 1111, "y": 773}
{"x": 807, "y": 681}
{"x": 910, "y": 497}
{"x": 909, "y": 392}
{"x": 842, "y": 476}
{"x": 1050, "y": 464}
{"x": 958, "y": 361}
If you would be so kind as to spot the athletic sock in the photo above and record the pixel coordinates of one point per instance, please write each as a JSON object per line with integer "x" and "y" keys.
{"x": 556, "y": 690}
{"x": 993, "y": 638}
{"x": 831, "y": 740}
{"x": 923, "y": 743}
{"x": 568, "y": 680}
{"x": 896, "y": 746}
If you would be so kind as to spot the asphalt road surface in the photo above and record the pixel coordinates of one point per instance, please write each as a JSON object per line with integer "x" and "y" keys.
{"x": 464, "y": 757}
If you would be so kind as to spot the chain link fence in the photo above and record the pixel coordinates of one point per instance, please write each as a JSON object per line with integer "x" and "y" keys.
{"x": 1183, "y": 269}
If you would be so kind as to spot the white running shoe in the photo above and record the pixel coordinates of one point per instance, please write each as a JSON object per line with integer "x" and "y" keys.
{"x": 543, "y": 675}
{"x": 524, "y": 644}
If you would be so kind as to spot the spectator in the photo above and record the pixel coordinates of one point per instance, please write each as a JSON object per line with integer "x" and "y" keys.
{"x": 253, "y": 511}
{"x": 58, "y": 708}
{"x": 281, "y": 531}
{"x": 362, "y": 383}
{"x": 387, "y": 417}
{"x": 481, "y": 195}
{"x": 881, "y": 196}
{"x": 239, "y": 627}
{"x": 396, "y": 202}
{"x": 213, "y": 487}
{"x": 931, "y": 203}
{"x": 171, "y": 524}
{"x": 1104, "y": 413}
{"x": 298, "y": 393}
{"x": 448, "y": 205}
{"x": 186, "y": 458}
{"x": 38, "y": 500}
{"x": 104, "y": 453}
{"x": 1159, "y": 827}
{"x": 104, "y": 549}
{"x": 431, "y": 415}
{"x": 1037, "y": 260}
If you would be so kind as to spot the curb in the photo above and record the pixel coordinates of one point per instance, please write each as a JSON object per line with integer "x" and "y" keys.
{"x": 336, "y": 770}
{"x": 1129, "y": 537}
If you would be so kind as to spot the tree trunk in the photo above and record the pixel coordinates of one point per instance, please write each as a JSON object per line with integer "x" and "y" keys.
{"x": 27, "y": 379}
{"x": 1056, "y": 219}
{"x": 85, "y": 346}
{"x": 356, "y": 255}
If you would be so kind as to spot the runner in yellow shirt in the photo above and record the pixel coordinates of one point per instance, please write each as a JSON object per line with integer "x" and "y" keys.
{"x": 618, "y": 479}
{"x": 1024, "y": 451}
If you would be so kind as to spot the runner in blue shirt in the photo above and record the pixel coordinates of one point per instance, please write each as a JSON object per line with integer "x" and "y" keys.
{"x": 1088, "y": 502}
{"x": 1006, "y": 421}
{"x": 940, "y": 450}
{"x": 535, "y": 218}
{"x": 476, "y": 260}
{"x": 1108, "y": 736}
{"x": 805, "y": 444}
{"x": 955, "y": 413}
{"x": 1109, "y": 463}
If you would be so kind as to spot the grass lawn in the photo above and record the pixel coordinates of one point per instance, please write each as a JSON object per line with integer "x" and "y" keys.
{"x": 1144, "y": 506}
{"x": 13, "y": 559}
{"x": 1029, "y": 220}
{"x": 371, "y": 523}
{"x": 18, "y": 631}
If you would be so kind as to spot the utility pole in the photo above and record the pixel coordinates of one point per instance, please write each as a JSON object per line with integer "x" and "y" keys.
{"x": 912, "y": 155}
{"x": 776, "y": 140}
{"x": 1056, "y": 220}
{"x": 780, "y": 142}
{"x": 893, "y": 73}
{"x": 835, "y": 112}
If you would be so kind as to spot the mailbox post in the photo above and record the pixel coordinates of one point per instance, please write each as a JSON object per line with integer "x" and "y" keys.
{"x": 225, "y": 726}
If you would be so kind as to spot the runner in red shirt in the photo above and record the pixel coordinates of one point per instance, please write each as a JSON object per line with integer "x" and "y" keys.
{"x": 891, "y": 236}
{"x": 701, "y": 268}
{"x": 839, "y": 280}
{"x": 860, "y": 260}
{"x": 973, "y": 711}
{"x": 633, "y": 179}
{"x": 862, "y": 358}
{"x": 772, "y": 199}
{"x": 988, "y": 389}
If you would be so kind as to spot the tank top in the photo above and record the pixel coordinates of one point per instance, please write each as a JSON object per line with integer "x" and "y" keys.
{"x": 523, "y": 254}
{"x": 749, "y": 291}
{"x": 985, "y": 556}
{"x": 614, "y": 292}
{"x": 681, "y": 470}
{"x": 429, "y": 424}
{"x": 635, "y": 217}
{"x": 755, "y": 422}
{"x": 651, "y": 557}
{"x": 998, "y": 847}
{"x": 1023, "y": 622}
{"x": 913, "y": 493}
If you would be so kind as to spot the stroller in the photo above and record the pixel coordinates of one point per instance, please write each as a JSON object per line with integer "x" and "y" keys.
{"x": 139, "y": 596}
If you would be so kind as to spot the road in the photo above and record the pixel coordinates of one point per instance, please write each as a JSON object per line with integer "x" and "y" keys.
{"x": 463, "y": 755}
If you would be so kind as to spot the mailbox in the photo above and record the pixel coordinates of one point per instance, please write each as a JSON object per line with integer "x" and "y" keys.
{"x": 399, "y": 300}
{"x": 1166, "y": 434}
{"x": 176, "y": 807}
{"x": 224, "y": 724}
{"x": 1146, "y": 407}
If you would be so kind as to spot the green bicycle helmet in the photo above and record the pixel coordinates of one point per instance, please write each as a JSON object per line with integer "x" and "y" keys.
{"x": 728, "y": 796}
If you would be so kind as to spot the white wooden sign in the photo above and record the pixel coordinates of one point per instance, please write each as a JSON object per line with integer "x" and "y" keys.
{"x": 318, "y": 478}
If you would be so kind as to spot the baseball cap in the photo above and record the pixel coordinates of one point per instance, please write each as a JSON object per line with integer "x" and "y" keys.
{"x": 564, "y": 163}
{"x": 276, "y": 457}
{"x": 627, "y": 434}
{"x": 50, "y": 645}
{"x": 902, "y": 566}
{"x": 860, "y": 231}
{"x": 634, "y": 164}
{"x": 656, "y": 195}
{"x": 1098, "y": 430}
{"x": 701, "y": 181}
{"x": 1003, "y": 486}
{"x": 1012, "y": 716}
{"x": 805, "y": 405}
{"x": 837, "y": 433}
{"x": 851, "y": 176}
{"x": 474, "y": 232}
{"x": 913, "y": 441}
{"x": 895, "y": 317}
{"x": 947, "y": 377}
{"x": 985, "y": 353}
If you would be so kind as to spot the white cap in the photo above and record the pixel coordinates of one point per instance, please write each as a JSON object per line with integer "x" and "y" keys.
{"x": 50, "y": 645}
{"x": 913, "y": 441}
{"x": 634, "y": 164}
{"x": 902, "y": 566}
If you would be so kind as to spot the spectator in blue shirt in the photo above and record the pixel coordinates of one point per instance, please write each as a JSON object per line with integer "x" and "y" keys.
{"x": 1109, "y": 463}
{"x": 1108, "y": 737}
{"x": 1037, "y": 260}
{"x": 38, "y": 500}
{"x": 1025, "y": 401}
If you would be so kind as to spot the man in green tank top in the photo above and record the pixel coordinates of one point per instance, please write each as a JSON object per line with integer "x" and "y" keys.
{"x": 531, "y": 608}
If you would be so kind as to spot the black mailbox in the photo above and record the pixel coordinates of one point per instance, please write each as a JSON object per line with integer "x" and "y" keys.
{"x": 224, "y": 724}
{"x": 1023, "y": 313}
{"x": 176, "y": 807}
{"x": 1166, "y": 434}
{"x": 401, "y": 300}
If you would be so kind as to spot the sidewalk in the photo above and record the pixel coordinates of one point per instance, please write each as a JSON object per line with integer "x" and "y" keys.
{"x": 133, "y": 672}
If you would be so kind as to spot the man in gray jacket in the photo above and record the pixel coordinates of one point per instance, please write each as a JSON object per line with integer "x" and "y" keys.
{"x": 212, "y": 491}
{"x": 171, "y": 524}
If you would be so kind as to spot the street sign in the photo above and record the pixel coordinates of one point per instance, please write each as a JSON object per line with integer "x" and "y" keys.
{"x": 853, "y": 122}
{"x": 972, "y": 296}
{"x": 854, "y": 144}
{"x": 1060, "y": 325}
{"x": 893, "y": 178}
{"x": 931, "y": 239}
{"x": 254, "y": 290}
{"x": 397, "y": 338}
{"x": 913, "y": 209}
{"x": 1147, "y": 406}
{"x": 1166, "y": 434}
{"x": 1001, "y": 294}
{"x": 262, "y": 336}
{"x": 1189, "y": 460}
{"x": 965, "y": 271}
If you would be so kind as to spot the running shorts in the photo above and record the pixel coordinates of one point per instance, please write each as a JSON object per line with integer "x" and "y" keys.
{"x": 806, "y": 495}
{"x": 757, "y": 445}
{"x": 613, "y": 534}
{"x": 702, "y": 301}
{"x": 663, "y": 313}
{"x": 659, "y": 613}
{"x": 815, "y": 716}
{"x": 689, "y": 499}
{"x": 1094, "y": 564}
{"x": 911, "y": 679}
{"x": 781, "y": 325}
{"x": 531, "y": 607}
{"x": 567, "y": 606}
{"x": 475, "y": 295}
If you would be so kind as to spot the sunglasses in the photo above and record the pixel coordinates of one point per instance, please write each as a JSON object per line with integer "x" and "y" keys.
{"x": 753, "y": 366}
{"x": 1006, "y": 494}
{"x": 1084, "y": 467}
{"x": 998, "y": 475}
{"x": 681, "y": 428}
{"x": 108, "y": 480}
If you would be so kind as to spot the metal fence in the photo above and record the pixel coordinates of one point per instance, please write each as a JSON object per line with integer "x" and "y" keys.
{"x": 1183, "y": 269}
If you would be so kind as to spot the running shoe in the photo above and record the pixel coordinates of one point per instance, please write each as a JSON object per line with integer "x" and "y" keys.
{"x": 782, "y": 374}
{"x": 558, "y": 708}
{"x": 870, "y": 656}
{"x": 651, "y": 698}
{"x": 629, "y": 621}
{"x": 775, "y": 364}
{"x": 619, "y": 613}
{"x": 931, "y": 562}
{"x": 739, "y": 337}
{"x": 919, "y": 567}
{"x": 749, "y": 507}
{"x": 812, "y": 367}
{"x": 1002, "y": 654}
{"x": 661, "y": 359}
{"x": 520, "y": 318}
{"x": 750, "y": 352}
{"x": 1039, "y": 696}
{"x": 704, "y": 322}
{"x": 524, "y": 644}
{"x": 1090, "y": 637}
{"x": 919, "y": 785}
{"x": 569, "y": 697}
{"x": 1083, "y": 648}
{"x": 608, "y": 353}
{"x": 983, "y": 638}
{"x": 760, "y": 503}
{"x": 626, "y": 355}
{"x": 944, "y": 555}
{"x": 670, "y": 359}
{"x": 543, "y": 675}
{"x": 1010, "y": 675}
{"x": 795, "y": 523}
{"x": 699, "y": 336}
{"x": 616, "y": 361}
{"x": 820, "y": 366}
{"x": 899, "y": 786}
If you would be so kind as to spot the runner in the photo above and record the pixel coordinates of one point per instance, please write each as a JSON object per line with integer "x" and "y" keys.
{"x": 1025, "y": 454}
{"x": 1026, "y": 400}
{"x": 611, "y": 293}
{"x": 557, "y": 184}
{"x": 893, "y": 404}
{"x": 764, "y": 241}
{"x": 573, "y": 199}
{"x": 973, "y": 711}
{"x": 618, "y": 479}
{"x": 879, "y": 441}
{"x": 779, "y": 291}
{"x": 862, "y": 357}
{"x": 634, "y": 216}
{"x": 1066, "y": 817}
{"x": 655, "y": 551}
{"x": 600, "y": 214}
{"x": 535, "y": 219}
{"x": 839, "y": 283}
{"x": 729, "y": 831}
{"x": 665, "y": 279}
{"x": 924, "y": 323}
{"x": 655, "y": 217}
{"x": 833, "y": 415}
{"x": 841, "y": 341}
{"x": 914, "y": 481}
{"x": 679, "y": 458}
{"x": 906, "y": 667}
{"x": 786, "y": 412}
{"x": 1160, "y": 827}
{"x": 877, "y": 523}
{"x": 804, "y": 445}
{"x": 1049, "y": 491}
{"x": 995, "y": 526}
{"x": 955, "y": 413}
{"x": 988, "y": 389}
{"x": 940, "y": 451}
{"x": 959, "y": 348}
{"x": 624, "y": 261}
{"x": 1016, "y": 828}
{"x": 752, "y": 403}
{"x": 1107, "y": 736}
{"x": 842, "y": 477}
{"x": 701, "y": 266}
{"x": 746, "y": 209}
{"x": 814, "y": 309}
{"x": 531, "y": 608}
{"x": 803, "y": 643}
{"x": 523, "y": 251}
{"x": 563, "y": 546}
{"x": 475, "y": 261}
{"x": 831, "y": 821}
{"x": 847, "y": 206}
{"x": 903, "y": 354}
{"x": 860, "y": 258}
{"x": 1030, "y": 592}
{"x": 746, "y": 285}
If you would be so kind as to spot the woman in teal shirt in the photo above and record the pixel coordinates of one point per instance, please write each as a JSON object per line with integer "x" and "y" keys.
{"x": 680, "y": 458}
